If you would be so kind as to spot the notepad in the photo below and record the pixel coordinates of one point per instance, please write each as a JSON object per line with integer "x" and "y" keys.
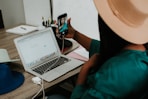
{"x": 82, "y": 51}
{"x": 4, "y": 57}
{"x": 22, "y": 29}
{"x": 80, "y": 54}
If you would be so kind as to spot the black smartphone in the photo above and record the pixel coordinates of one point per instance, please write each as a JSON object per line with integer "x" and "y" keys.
{"x": 62, "y": 24}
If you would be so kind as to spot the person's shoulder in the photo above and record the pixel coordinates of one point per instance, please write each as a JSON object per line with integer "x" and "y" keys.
{"x": 120, "y": 60}
{"x": 128, "y": 59}
{"x": 132, "y": 55}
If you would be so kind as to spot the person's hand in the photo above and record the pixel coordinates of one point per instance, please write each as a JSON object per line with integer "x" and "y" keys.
{"x": 71, "y": 30}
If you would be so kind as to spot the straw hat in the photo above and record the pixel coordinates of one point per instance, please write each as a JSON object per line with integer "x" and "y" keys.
{"x": 9, "y": 80}
{"x": 127, "y": 18}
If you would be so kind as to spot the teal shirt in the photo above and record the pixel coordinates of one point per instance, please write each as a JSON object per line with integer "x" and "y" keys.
{"x": 122, "y": 74}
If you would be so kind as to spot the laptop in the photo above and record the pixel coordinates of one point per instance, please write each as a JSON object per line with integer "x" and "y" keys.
{"x": 41, "y": 56}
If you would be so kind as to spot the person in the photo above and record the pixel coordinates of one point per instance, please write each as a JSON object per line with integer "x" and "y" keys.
{"x": 120, "y": 69}
{"x": 118, "y": 64}
{"x": 117, "y": 69}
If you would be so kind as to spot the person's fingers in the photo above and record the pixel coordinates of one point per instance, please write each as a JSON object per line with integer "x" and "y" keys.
{"x": 69, "y": 20}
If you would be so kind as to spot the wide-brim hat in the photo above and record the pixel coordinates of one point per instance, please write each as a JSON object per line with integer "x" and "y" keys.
{"x": 127, "y": 18}
{"x": 9, "y": 80}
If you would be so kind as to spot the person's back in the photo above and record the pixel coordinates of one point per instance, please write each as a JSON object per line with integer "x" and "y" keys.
{"x": 124, "y": 62}
{"x": 118, "y": 64}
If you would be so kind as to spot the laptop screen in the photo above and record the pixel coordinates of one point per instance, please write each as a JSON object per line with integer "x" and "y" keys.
{"x": 36, "y": 48}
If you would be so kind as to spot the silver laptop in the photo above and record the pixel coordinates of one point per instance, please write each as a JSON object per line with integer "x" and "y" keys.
{"x": 41, "y": 56}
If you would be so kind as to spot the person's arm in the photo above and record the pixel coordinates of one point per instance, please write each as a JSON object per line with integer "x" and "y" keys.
{"x": 81, "y": 90}
{"x": 92, "y": 62}
{"x": 82, "y": 75}
{"x": 79, "y": 37}
{"x": 83, "y": 40}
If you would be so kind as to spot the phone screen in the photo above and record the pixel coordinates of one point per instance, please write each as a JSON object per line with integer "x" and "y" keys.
{"x": 62, "y": 24}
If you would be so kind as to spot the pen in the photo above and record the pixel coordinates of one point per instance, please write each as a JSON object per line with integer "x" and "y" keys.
{"x": 23, "y": 28}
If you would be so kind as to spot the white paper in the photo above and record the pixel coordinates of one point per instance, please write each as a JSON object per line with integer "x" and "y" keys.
{"x": 81, "y": 51}
{"x": 4, "y": 57}
{"x": 22, "y": 29}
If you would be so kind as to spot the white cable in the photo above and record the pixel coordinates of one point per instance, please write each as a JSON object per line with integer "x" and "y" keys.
{"x": 42, "y": 82}
{"x": 52, "y": 65}
{"x": 43, "y": 89}
{"x": 45, "y": 72}
{"x": 62, "y": 50}
{"x": 37, "y": 92}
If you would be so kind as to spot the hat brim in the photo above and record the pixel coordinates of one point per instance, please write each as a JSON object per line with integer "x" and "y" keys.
{"x": 137, "y": 35}
{"x": 17, "y": 81}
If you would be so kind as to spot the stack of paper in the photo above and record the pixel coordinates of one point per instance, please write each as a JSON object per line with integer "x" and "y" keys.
{"x": 80, "y": 54}
{"x": 22, "y": 29}
{"x": 4, "y": 57}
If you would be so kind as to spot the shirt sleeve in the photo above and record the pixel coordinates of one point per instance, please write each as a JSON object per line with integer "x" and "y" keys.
{"x": 94, "y": 47}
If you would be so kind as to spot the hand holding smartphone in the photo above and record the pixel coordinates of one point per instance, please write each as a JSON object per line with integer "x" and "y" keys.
{"x": 62, "y": 24}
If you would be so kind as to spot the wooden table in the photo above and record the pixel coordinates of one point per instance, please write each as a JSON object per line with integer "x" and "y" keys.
{"x": 28, "y": 89}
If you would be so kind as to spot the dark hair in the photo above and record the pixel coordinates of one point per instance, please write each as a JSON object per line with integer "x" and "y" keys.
{"x": 111, "y": 44}
{"x": 146, "y": 46}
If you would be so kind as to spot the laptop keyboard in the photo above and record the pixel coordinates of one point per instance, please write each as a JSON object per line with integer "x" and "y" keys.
{"x": 56, "y": 62}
